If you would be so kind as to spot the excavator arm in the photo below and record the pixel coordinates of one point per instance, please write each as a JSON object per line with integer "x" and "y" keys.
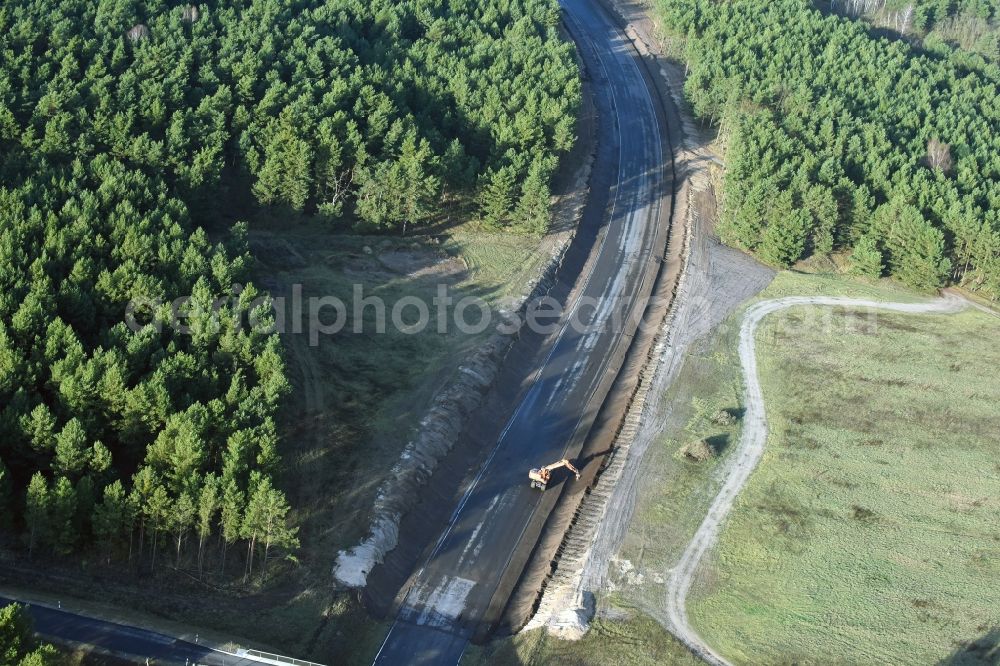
{"x": 539, "y": 477}
{"x": 563, "y": 463}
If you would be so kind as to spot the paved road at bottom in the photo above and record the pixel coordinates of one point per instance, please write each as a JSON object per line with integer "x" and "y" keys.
{"x": 139, "y": 644}
{"x": 450, "y": 594}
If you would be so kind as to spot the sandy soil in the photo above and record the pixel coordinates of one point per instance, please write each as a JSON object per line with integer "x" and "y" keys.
{"x": 749, "y": 449}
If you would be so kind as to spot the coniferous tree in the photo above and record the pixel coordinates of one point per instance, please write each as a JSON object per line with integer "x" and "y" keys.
{"x": 867, "y": 258}
{"x": 380, "y": 192}
{"x": 208, "y": 507}
{"x": 113, "y": 517}
{"x": 181, "y": 519}
{"x": 231, "y": 518}
{"x": 265, "y": 522}
{"x": 275, "y": 532}
{"x": 915, "y": 249}
{"x": 532, "y": 212}
{"x": 15, "y": 633}
{"x": 143, "y": 485}
{"x": 157, "y": 512}
{"x": 40, "y": 426}
{"x": 823, "y": 209}
{"x": 785, "y": 236}
{"x": 71, "y": 452}
{"x": 18, "y": 646}
{"x": 497, "y": 198}
{"x": 37, "y": 511}
{"x": 286, "y": 174}
{"x": 420, "y": 185}
{"x": 62, "y": 532}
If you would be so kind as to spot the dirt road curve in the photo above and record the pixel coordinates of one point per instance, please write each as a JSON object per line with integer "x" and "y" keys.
{"x": 750, "y": 448}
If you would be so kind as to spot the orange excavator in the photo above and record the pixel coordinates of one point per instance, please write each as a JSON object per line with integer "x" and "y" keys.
{"x": 539, "y": 477}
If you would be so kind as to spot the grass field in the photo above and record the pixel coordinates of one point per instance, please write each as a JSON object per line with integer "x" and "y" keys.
{"x": 676, "y": 491}
{"x": 870, "y": 533}
{"x": 871, "y": 529}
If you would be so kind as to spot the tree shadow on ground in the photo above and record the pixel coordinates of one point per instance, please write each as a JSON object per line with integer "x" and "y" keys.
{"x": 719, "y": 443}
{"x": 983, "y": 651}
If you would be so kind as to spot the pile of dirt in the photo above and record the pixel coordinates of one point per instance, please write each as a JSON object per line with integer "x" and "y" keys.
{"x": 724, "y": 417}
{"x": 699, "y": 451}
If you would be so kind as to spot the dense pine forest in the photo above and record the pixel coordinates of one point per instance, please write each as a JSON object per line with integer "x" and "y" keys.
{"x": 126, "y": 126}
{"x": 839, "y": 140}
{"x": 969, "y": 29}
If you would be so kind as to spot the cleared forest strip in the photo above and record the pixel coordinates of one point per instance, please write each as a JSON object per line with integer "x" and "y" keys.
{"x": 452, "y": 405}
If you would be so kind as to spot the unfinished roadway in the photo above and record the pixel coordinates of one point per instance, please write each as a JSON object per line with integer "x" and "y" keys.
{"x": 456, "y": 587}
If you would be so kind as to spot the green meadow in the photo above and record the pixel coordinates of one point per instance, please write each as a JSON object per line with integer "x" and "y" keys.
{"x": 870, "y": 532}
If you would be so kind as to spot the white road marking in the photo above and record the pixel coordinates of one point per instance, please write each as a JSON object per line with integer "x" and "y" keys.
{"x": 444, "y": 604}
{"x": 475, "y": 532}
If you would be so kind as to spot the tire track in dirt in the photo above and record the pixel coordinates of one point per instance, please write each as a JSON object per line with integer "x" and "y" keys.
{"x": 312, "y": 388}
{"x": 750, "y": 448}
